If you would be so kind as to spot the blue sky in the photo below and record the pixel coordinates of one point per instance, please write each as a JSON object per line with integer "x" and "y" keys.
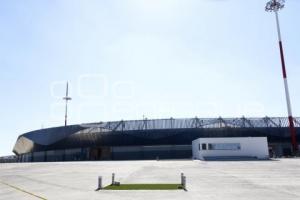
{"x": 128, "y": 58}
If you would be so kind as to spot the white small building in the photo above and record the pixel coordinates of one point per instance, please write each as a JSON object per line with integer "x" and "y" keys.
{"x": 234, "y": 147}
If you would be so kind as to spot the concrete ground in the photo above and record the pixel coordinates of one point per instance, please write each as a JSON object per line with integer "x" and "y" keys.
{"x": 243, "y": 180}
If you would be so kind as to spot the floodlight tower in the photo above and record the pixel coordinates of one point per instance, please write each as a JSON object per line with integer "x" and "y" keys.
{"x": 67, "y": 98}
{"x": 275, "y": 6}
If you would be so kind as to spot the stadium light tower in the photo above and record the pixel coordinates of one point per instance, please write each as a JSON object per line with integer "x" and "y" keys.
{"x": 275, "y": 6}
{"x": 67, "y": 98}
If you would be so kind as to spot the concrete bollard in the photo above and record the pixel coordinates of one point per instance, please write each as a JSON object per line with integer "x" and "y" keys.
{"x": 99, "y": 183}
{"x": 181, "y": 176}
{"x": 113, "y": 179}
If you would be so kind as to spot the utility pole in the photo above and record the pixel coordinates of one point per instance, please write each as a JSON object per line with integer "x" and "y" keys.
{"x": 67, "y": 98}
{"x": 275, "y": 6}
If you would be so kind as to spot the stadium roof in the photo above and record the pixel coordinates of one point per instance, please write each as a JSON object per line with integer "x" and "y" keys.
{"x": 95, "y": 133}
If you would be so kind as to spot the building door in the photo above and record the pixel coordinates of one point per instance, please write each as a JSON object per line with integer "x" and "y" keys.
{"x": 100, "y": 153}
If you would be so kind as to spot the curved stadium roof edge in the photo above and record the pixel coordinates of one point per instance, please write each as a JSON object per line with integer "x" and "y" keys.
{"x": 43, "y": 138}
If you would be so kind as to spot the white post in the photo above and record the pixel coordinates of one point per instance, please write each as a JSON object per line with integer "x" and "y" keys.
{"x": 182, "y": 175}
{"x": 99, "y": 183}
{"x": 184, "y": 182}
{"x": 113, "y": 179}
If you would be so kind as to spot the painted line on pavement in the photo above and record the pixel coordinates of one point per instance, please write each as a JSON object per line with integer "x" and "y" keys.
{"x": 19, "y": 189}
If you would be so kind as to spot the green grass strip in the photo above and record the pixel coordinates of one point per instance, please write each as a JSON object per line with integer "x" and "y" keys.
{"x": 144, "y": 187}
{"x": 19, "y": 189}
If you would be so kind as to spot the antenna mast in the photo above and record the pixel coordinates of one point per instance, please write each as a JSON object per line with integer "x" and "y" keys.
{"x": 275, "y": 6}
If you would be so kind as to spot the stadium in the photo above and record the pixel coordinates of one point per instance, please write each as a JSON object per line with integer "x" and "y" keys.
{"x": 146, "y": 139}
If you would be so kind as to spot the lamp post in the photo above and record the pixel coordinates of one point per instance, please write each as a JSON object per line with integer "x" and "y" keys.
{"x": 275, "y": 6}
{"x": 67, "y": 98}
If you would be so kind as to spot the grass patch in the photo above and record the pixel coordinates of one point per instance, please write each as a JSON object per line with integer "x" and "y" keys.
{"x": 144, "y": 187}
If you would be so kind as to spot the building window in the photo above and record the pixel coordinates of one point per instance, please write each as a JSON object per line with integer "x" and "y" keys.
{"x": 225, "y": 146}
{"x": 203, "y": 146}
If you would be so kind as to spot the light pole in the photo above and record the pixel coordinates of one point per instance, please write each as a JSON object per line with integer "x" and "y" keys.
{"x": 67, "y": 98}
{"x": 275, "y": 6}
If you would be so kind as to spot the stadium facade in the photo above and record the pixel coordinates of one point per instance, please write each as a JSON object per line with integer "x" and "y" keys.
{"x": 146, "y": 139}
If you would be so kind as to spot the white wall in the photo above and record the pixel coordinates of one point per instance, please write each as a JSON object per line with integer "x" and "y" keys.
{"x": 250, "y": 147}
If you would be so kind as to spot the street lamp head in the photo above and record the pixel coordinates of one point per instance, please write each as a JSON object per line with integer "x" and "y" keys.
{"x": 274, "y": 5}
